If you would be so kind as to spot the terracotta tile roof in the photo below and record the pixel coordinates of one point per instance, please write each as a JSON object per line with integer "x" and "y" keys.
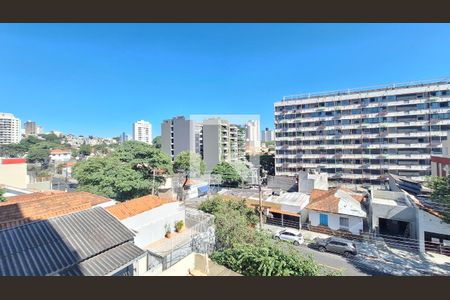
{"x": 327, "y": 201}
{"x": 23, "y": 209}
{"x": 55, "y": 195}
{"x": 136, "y": 206}
{"x": 59, "y": 151}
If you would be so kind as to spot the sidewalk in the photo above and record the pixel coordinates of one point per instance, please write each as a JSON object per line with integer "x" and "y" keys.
{"x": 378, "y": 256}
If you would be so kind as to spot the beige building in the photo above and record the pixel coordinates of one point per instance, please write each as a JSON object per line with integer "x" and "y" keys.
{"x": 13, "y": 172}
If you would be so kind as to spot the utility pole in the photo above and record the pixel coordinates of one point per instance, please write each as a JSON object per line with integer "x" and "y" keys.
{"x": 153, "y": 185}
{"x": 260, "y": 199}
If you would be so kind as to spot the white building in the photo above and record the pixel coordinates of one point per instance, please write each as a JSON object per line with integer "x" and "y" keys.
{"x": 142, "y": 131}
{"x": 267, "y": 135}
{"x": 10, "y": 129}
{"x": 60, "y": 156}
{"x": 337, "y": 209}
{"x": 252, "y": 136}
{"x": 359, "y": 136}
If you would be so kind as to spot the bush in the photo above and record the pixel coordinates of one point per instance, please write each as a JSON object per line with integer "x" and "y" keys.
{"x": 179, "y": 225}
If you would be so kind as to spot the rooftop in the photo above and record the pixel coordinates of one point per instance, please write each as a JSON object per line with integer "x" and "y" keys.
{"x": 65, "y": 245}
{"x": 338, "y": 200}
{"x": 366, "y": 89}
{"x": 19, "y": 210}
{"x": 294, "y": 199}
{"x": 136, "y": 206}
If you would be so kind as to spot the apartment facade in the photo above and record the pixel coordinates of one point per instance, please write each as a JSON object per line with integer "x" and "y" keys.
{"x": 267, "y": 135}
{"x": 10, "y": 129}
{"x": 359, "y": 136}
{"x": 253, "y": 136}
{"x": 179, "y": 134}
{"x": 222, "y": 141}
{"x": 31, "y": 128}
{"x": 142, "y": 131}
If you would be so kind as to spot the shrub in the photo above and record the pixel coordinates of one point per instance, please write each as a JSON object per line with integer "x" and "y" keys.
{"x": 179, "y": 225}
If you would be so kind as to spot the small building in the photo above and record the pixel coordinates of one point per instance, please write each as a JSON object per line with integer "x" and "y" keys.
{"x": 60, "y": 156}
{"x": 427, "y": 220}
{"x": 13, "y": 172}
{"x": 195, "y": 188}
{"x": 337, "y": 209}
{"x": 148, "y": 217}
{"x": 85, "y": 243}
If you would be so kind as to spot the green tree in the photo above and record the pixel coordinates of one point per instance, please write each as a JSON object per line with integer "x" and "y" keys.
{"x": 51, "y": 138}
{"x": 228, "y": 173}
{"x": 267, "y": 162}
{"x": 85, "y": 149}
{"x": 441, "y": 192}
{"x": 157, "y": 141}
{"x": 75, "y": 152}
{"x": 189, "y": 162}
{"x": 250, "y": 251}
{"x": 124, "y": 174}
{"x": 39, "y": 153}
{"x": 2, "y": 192}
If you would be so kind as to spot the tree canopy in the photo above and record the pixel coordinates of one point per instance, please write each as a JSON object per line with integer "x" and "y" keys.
{"x": 85, "y": 150}
{"x": 124, "y": 174}
{"x": 250, "y": 251}
{"x": 189, "y": 162}
{"x": 441, "y": 193}
{"x": 157, "y": 141}
{"x": 229, "y": 174}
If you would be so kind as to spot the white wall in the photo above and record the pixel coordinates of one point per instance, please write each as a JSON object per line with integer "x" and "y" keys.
{"x": 14, "y": 175}
{"x": 150, "y": 226}
{"x": 355, "y": 223}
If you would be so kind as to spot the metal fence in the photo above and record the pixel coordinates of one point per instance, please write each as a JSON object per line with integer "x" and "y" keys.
{"x": 201, "y": 239}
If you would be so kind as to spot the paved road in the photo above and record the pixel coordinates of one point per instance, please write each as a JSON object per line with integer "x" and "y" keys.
{"x": 348, "y": 267}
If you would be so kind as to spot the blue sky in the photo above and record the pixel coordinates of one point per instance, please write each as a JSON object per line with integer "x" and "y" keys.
{"x": 99, "y": 78}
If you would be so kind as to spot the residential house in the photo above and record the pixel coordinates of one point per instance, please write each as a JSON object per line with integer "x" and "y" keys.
{"x": 60, "y": 156}
{"x": 13, "y": 172}
{"x": 337, "y": 209}
{"x": 148, "y": 217}
{"x": 84, "y": 243}
{"x": 428, "y": 223}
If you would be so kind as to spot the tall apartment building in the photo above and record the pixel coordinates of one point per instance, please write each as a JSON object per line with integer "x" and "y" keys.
{"x": 142, "y": 131}
{"x": 10, "y": 129}
{"x": 267, "y": 135}
{"x": 124, "y": 138}
{"x": 222, "y": 141}
{"x": 31, "y": 128}
{"x": 179, "y": 134}
{"x": 358, "y": 136}
{"x": 253, "y": 138}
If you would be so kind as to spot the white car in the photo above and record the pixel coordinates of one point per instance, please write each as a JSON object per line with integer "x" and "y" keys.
{"x": 290, "y": 235}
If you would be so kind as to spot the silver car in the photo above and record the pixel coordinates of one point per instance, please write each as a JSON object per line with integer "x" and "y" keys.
{"x": 336, "y": 245}
{"x": 290, "y": 235}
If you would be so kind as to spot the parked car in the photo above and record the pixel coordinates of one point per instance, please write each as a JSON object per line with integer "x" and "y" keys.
{"x": 290, "y": 235}
{"x": 336, "y": 245}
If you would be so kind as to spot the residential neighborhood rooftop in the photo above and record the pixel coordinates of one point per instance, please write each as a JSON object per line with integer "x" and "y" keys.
{"x": 136, "y": 206}
{"x": 23, "y": 209}
{"x": 66, "y": 245}
{"x": 338, "y": 200}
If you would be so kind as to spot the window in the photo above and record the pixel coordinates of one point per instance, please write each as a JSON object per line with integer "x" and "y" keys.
{"x": 343, "y": 222}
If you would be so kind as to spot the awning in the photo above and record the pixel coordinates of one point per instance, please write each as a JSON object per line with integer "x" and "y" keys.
{"x": 203, "y": 189}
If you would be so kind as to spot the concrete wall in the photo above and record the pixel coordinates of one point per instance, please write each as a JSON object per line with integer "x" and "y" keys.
{"x": 140, "y": 266}
{"x": 166, "y": 138}
{"x": 399, "y": 213}
{"x": 14, "y": 175}
{"x": 211, "y": 140}
{"x": 184, "y": 138}
{"x": 355, "y": 223}
{"x": 40, "y": 186}
{"x": 150, "y": 225}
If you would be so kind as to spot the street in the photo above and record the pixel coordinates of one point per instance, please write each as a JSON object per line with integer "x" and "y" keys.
{"x": 335, "y": 262}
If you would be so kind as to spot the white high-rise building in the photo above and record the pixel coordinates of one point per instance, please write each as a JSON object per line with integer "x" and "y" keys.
{"x": 10, "y": 129}
{"x": 142, "y": 131}
{"x": 267, "y": 135}
{"x": 359, "y": 136}
{"x": 252, "y": 136}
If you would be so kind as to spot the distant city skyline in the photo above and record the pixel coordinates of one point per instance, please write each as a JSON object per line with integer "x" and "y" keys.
{"x": 97, "y": 79}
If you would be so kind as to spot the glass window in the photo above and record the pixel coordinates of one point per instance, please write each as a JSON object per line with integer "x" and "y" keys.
{"x": 343, "y": 222}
